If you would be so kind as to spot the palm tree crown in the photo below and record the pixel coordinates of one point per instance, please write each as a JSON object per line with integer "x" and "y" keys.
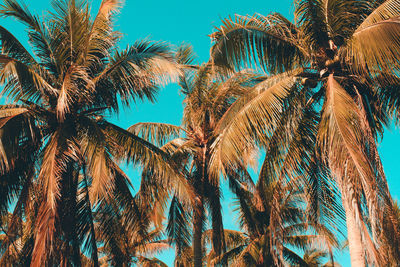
{"x": 208, "y": 101}
{"x": 275, "y": 229}
{"x": 344, "y": 57}
{"x": 58, "y": 152}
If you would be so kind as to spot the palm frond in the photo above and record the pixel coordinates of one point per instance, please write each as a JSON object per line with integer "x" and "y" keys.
{"x": 255, "y": 119}
{"x": 343, "y": 17}
{"x": 19, "y": 11}
{"x": 136, "y": 71}
{"x": 341, "y": 137}
{"x": 270, "y": 40}
{"x": 156, "y": 133}
{"x": 22, "y": 82}
{"x": 108, "y": 7}
{"x": 139, "y": 151}
{"x": 9, "y": 113}
{"x": 146, "y": 262}
{"x": 311, "y": 18}
{"x": 151, "y": 248}
{"x": 185, "y": 55}
{"x": 374, "y": 44}
{"x": 178, "y": 226}
{"x": 292, "y": 257}
{"x": 38, "y": 32}
{"x": 233, "y": 238}
{"x": 85, "y": 220}
{"x": 214, "y": 195}
{"x": 11, "y": 47}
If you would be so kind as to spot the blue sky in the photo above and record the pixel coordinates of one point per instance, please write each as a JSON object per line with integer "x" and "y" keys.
{"x": 180, "y": 21}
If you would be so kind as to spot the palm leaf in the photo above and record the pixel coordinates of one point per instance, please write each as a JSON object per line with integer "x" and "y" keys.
{"x": 146, "y": 262}
{"x": 85, "y": 222}
{"x": 38, "y": 34}
{"x": 257, "y": 118}
{"x": 268, "y": 39}
{"x": 374, "y": 44}
{"x": 22, "y": 82}
{"x": 9, "y": 113}
{"x": 108, "y": 7}
{"x": 178, "y": 226}
{"x": 136, "y": 71}
{"x": 343, "y": 17}
{"x": 53, "y": 166}
{"x": 139, "y": 151}
{"x": 13, "y": 48}
{"x": 342, "y": 139}
{"x": 311, "y": 18}
{"x": 156, "y": 133}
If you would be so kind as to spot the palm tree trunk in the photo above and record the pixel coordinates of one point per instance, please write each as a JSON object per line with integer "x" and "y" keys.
{"x": 68, "y": 213}
{"x": 353, "y": 232}
{"x": 94, "y": 255}
{"x": 197, "y": 233}
{"x": 198, "y": 216}
{"x": 218, "y": 238}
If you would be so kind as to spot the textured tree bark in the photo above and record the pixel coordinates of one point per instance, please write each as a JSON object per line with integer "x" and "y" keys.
{"x": 198, "y": 218}
{"x": 218, "y": 238}
{"x": 357, "y": 254}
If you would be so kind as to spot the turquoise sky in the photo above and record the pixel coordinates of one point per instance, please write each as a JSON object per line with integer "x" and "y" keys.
{"x": 178, "y": 21}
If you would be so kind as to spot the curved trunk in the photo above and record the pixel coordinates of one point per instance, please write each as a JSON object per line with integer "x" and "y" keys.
{"x": 356, "y": 248}
{"x": 198, "y": 218}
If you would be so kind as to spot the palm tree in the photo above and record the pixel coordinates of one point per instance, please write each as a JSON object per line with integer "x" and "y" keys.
{"x": 274, "y": 225}
{"x": 207, "y": 100}
{"x": 56, "y": 146}
{"x": 125, "y": 245}
{"x": 343, "y": 55}
{"x": 118, "y": 243}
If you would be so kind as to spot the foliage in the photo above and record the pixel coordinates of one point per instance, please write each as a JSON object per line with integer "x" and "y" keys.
{"x": 342, "y": 56}
{"x": 58, "y": 153}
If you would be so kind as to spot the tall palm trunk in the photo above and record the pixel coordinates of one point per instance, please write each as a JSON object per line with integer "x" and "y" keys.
{"x": 199, "y": 209}
{"x": 218, "y": 239}
{"x": 94, "y": 254}
{"x": 68, "y": 212}
{"x": 356, "y": 247}
{"x": 197, "y": 232}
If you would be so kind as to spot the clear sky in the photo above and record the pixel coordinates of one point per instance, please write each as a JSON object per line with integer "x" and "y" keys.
{"x": 178, "y": 21}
